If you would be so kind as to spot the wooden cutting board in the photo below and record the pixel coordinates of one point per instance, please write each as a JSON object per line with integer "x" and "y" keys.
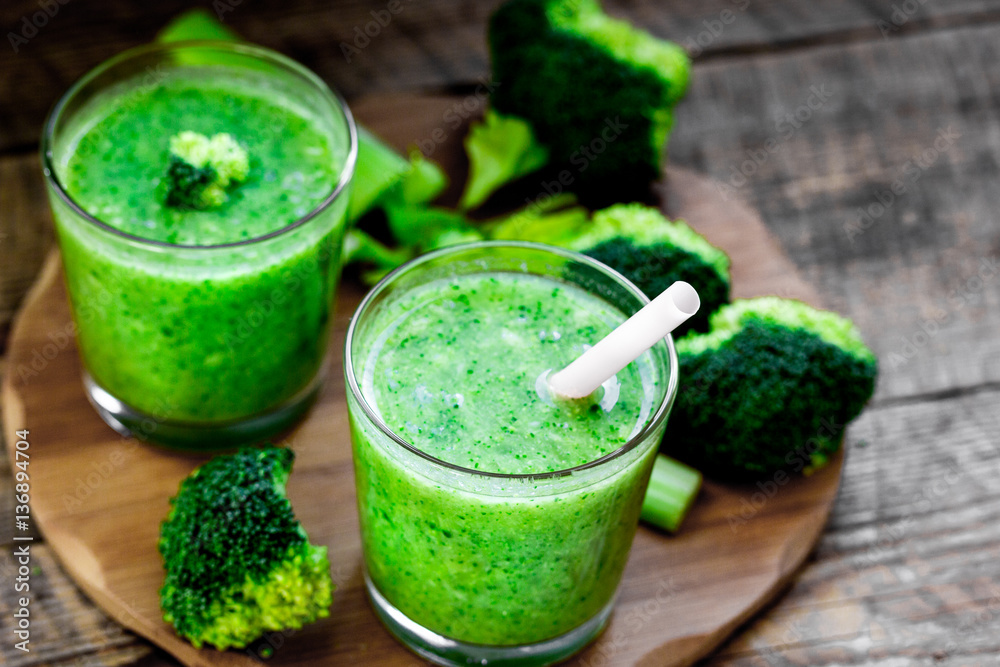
{"x": 99, "y": 498}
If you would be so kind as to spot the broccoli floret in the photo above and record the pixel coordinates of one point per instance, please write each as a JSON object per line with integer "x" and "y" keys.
{"x": 238, "y": 563}
{"x": 770, "y": 387}
{"x": 597, "y": 91}
{"x": 653, "y": 252}
{"x": 203, "y": 169}
{"x": 501, "y": 149}
{"x": 641, "y": 244}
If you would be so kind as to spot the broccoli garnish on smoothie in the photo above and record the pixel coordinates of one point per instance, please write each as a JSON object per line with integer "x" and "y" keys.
{"x": 203, "y": 170}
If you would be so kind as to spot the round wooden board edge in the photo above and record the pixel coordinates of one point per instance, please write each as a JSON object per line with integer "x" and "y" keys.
{"x": 675, "y": 653}
{"x": 696, "y": 647}
{"x": 117, "y": 609}
{"x": 682, "y": 651}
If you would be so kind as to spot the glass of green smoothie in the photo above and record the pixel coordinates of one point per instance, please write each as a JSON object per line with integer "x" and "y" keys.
{"x": 496, "y": 520}
{"x": 199, "y": 193}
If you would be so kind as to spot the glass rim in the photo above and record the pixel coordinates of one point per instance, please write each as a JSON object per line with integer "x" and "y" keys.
{"x": 652, "y": 423}
{"x": 251, "y": 50}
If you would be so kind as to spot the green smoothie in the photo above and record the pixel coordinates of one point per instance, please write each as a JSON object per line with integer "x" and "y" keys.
{"x": 201, "y": 335}
{"x": 452, "y": 367}
{"x": 116, "y": 167}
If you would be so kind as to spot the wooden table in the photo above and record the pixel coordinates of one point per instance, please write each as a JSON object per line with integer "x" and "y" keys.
{"x": 867, "y": 134}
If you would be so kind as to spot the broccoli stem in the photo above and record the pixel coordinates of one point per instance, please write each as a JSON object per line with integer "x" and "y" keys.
{"x": 423, "y": 181}
{"x": 672, "y": 489}
{"x": 378, "y": 167}
{"x": 361, "y": 247}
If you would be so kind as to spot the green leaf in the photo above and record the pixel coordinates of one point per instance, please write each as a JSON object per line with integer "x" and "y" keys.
{"x": 427, "y": 228}
{"x": 500, "y": 149}
{"x": 196, "y": 24}
{"x": 378, "y": 168}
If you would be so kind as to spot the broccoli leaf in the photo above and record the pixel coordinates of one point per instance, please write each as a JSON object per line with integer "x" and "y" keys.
{"x": 501, "y": 149}
{"x": 429, "y": 227}
{"x": 195, "y": 24}
{"x": 553, "y": 220}
{"x": 378, "y": 168}
{"x": 421, "y": 183}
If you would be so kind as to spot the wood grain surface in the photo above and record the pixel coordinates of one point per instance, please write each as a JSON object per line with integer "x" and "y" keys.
{"x": 906, "y": 570}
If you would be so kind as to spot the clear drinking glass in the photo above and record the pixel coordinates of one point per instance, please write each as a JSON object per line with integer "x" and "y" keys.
{"x": 471, "y": 567}
{"x": 201, "y": 346}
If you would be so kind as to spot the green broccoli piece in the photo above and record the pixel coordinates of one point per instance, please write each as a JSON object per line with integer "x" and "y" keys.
{"x": 379, "y": 170}
{"x": 238, "y": 563}
{"x": 770, "y": 387}
{"x": 419, "y": 229}
{"x": 195, "y": 24}
{"x": 430, "y": 227}
{"x": 203, "y": 169}
{"x": 501, "y": 149}
{"x": 382, "y": 176}
{"x": 597, "y": 91}
{"x": 360, "y": 247}
{"x": 641, "y": 244}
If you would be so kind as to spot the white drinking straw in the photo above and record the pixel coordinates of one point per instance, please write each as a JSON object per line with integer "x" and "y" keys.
{"x": 624, "y": 345}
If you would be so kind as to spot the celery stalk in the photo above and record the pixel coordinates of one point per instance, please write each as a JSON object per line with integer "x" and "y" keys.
{"x": 672, "y": 489}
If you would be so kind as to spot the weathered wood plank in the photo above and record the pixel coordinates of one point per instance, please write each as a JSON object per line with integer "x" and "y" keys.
{"x": 25, "y": 231}
{"x": 919, "y": 273}
{"x": 908, "y": 566}
{"x": 8, "y": 504}
{"x": 65, "y": 628}
{"x": 426, "y": 44}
